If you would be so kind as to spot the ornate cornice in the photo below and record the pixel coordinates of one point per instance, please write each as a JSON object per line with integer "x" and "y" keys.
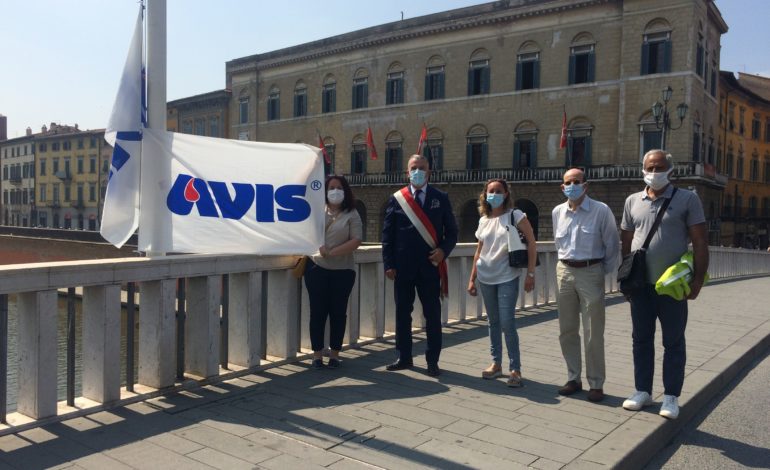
{"x": 454, "y": 20}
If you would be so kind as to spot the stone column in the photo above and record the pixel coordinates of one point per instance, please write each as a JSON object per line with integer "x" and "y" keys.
{"x": 157, "y": 333}
{"x": 101, "y": 343}
{"x": 245, "y": 322}
{"x": 282, "y": 314}
{"x": 201, "y": 333}
{"x": 37, "y": 353}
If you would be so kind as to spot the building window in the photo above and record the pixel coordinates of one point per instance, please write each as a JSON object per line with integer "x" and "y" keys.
{"x": 656, "y": 53}
{"x": 742, "y": 120}
{"x": 66, "y": 145}
{"x": 528, "y": 71}
{"x": 54, "y": 146}
{"x": 754, "y": 170}
{"x": 300, "y": 101}
{"x": 739, "y": 168}
{"x": 80, "y": 143}
{"x": 42, "y": 167}
{"x": 80, "y": 198}
{"x": 67, "y": 167}
{"x": 55, "y": 168}
{"x": 92, "y": 164}
{"x": 434, "y": 83}
{"x": 729, "y": 163}
{"x": 80, "y": 165}
{"x": 766, "y": 207}
{"x": 274, "y": 106}
{"x": 92, "y": 143}
{"x": 394, "y": 88}
{"x": 243, "y": 110}
{"x": 329, "y": 98}
{"x": 478, "y": 77}
{"x": 525, "y": 150}
{"x": 42, "y": 147}
{"x": 187, "y": 127}
{"x": 767, "y": 170}
{"x": 92, "y": 192}
{"x": 699, "y": 57}
{"x": 581, "y": 64}
{"x": 214, "y": 126}
{"x": 710, "y": 160}
{"x": 731, "y": 116}
{"x": 358, "y": 159}
{"x": 393, "y": 157}
{"x": 67, "y": 193}
{"x": 578, "y": 147}
{"x": 756, "y": 129}
{"x": 433, "y": 150}
{"x": 696, "y": 139}
{"x": 752, "y": 212}
{"x": 200, "y": 126}
{"x": 361, "y": 93}
{"x": 476, "y": 149}
{"x": 329, "y": 167}
{"x": 42, "y": 193}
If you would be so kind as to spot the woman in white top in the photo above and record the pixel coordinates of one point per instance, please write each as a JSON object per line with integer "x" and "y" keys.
{"x": 496, "y": 279}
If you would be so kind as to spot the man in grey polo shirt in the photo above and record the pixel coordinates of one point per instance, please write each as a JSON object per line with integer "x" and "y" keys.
{"x": 683, "y": 220}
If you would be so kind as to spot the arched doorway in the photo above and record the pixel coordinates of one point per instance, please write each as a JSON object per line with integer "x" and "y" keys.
{"x": 361, "y": 208}
{"x": 529, "y": 208}
{"x": 469, "y": 221}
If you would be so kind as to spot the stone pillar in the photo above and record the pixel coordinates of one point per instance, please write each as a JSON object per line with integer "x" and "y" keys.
{"x": 353, "y": 329}
{"x": 157, "y": 333}
{"x": 458, "y": 282}
{"x": 101, "y": 343}
{"x": 245, "y": 321}
{"x": 282, "y": 314}
{"x": 37, "y": 353}
{"x": 371, "y": 299}
{"x": 201, "y": 332}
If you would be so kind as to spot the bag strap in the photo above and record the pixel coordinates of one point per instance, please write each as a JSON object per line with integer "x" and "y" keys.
{"x": 658, "y": 218}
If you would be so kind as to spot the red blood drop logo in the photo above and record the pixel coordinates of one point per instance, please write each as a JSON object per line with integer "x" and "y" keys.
{"x": 190, "y": 193}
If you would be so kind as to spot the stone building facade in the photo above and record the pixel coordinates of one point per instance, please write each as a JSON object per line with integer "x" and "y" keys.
{"x": 17, "y": 159}
{"x": 206, "y": 114}
{"x": 491, "y": 83}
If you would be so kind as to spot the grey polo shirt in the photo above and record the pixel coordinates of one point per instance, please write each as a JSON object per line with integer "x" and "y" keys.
{"x": 671, "y": 239}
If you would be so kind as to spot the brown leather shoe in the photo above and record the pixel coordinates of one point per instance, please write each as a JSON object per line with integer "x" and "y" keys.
{"x": 595, "y": 395}
{"x": 570, "y": 388}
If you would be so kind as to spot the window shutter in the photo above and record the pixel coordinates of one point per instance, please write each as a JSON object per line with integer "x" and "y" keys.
{"x": 400, "y": 159}
{"x": 470, "y": 81}
{"x": 645, "y": 69}
{"x": 468, "y": 153}
{"x": 486, "y": 80}
{"x": 484, "y": 155}
{"x": 366, "y": 95}
{"x": 588, "y": 151}
{"x": 666, "y": 57}
{"x": 389, "y": 91}
{"x": 518, "y": 75}
{"x": 516, "y": 154}
{"x": 400, "y": 91}
{"x": 296, "y": 105}
{"x": 355, "y": 103}
{"x": 333, "y": 104}
{"x": 568, "y": 153}
{"x": 324, "y": 101}
{"x": 571, "y": 72}
{"x": 591, "y": 66}
{"x": 353, "y": 162}
{"x": 533, "y": 154}
{"x": 441, "y": 85}
{"x": 536, "y": 74}
{"x": 427, "y": 87}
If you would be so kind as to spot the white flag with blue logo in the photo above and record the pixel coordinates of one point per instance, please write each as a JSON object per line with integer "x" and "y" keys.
{"x": 120, "y": 217}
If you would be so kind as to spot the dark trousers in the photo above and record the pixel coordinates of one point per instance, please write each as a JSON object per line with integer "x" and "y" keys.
{"x": 328, "y": 290}
{"x": 672, "y": 314}
{"x": 427, "y": 286}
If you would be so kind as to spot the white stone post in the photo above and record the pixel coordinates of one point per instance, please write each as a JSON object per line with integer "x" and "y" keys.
{"x": 371, "y": 299}
{"x": 101, "y": 343}
{"x": 157, "y": 333}
{"x": 201, "y": 333}
{"x": 282, "y": 314}
{"x": 245, "y": 321}
{"x": 37, "y": 353}
{"x": 353, "y": 328}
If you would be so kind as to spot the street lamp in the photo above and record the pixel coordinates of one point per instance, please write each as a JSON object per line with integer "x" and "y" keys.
{"x": 662, "y": 119}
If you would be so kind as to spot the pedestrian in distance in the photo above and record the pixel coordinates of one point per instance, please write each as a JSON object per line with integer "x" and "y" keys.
{"x": 682, "y": 222}
{"x": 497, "y": 280}
{"x": 418, "y": 233}
{"x": 329, "y": 274}
{"x": 587, "y": 242}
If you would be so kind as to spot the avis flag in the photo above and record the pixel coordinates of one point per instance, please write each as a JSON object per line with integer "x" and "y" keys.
{"x": 124, "y": 133}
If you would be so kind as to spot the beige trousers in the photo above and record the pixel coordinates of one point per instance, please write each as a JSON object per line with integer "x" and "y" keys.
{"x": 580, "y": 293}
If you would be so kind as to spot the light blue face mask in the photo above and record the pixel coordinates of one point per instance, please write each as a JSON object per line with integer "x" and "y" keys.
{"x": 417, "y": 177}
{"x": 573, "y": 191}
{"x": 495, "y": 200}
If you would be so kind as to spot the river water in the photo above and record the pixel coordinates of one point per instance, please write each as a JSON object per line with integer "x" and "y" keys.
{"x": 61, "y": 354}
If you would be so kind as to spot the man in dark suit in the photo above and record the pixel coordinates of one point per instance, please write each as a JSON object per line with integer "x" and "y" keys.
{"x": 418, "y": 233}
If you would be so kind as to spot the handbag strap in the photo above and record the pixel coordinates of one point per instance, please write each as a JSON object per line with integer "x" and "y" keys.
{"x": 658, "y": 218}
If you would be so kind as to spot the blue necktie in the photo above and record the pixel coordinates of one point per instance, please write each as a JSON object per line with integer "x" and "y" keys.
{"x": 417, "y": 198}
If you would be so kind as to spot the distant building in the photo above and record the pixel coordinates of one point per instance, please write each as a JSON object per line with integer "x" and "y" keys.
{"x": 744, "y": 140}
{"x": 3, "y": 128}
{"x": 17, "y": 159}
{"x": 206, "y": 114}
{"x": 491, "y": 82}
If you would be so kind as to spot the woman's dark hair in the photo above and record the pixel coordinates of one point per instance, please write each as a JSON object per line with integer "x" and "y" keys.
{"x": 484, "y": 207}
{"x": 349, "y": 202}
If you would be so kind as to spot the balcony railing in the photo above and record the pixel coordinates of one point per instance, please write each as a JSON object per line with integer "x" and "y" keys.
{"x": 55, "y": 203}
{"x": 211, "y": 318}
{"x": 551, "y": 175}
{"x": 745, "y": 213}
{"x": 79, "y": 204}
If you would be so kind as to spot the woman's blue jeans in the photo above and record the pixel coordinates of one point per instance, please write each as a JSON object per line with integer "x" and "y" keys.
{"x": 500, "y": 301}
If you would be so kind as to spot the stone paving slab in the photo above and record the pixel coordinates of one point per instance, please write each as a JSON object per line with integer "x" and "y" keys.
{"x": 362, "y": 417}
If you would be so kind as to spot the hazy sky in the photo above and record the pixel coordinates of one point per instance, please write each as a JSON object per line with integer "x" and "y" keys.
{"x": 62, "y": 60}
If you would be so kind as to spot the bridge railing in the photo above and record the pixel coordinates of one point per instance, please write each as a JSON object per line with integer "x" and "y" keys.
{"x": 203, "y": 318}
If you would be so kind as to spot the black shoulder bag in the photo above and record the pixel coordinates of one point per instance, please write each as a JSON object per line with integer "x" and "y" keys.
{"x": 518, "y": 256}
{"x": 632, "y": 273}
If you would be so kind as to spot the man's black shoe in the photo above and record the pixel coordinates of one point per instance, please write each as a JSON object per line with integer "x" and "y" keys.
{"x": 399, "y": 365}
{"x": 433, "y": 370}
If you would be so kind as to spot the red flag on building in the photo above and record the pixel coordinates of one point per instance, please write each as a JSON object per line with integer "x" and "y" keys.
{"x": 370, "y": 143}
{"x": 423, "y": 139}
{"x": 322, "y": 146}
{"x": 563, "y": 142}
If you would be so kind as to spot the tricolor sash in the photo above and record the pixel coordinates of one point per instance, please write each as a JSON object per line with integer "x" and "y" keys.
{"x": 424, "y": 227}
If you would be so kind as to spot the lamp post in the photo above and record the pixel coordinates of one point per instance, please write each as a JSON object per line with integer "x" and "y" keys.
{"x": 662, "y": 118}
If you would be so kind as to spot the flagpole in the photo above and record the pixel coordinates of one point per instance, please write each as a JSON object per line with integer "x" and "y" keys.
{"x": 156, "y": 83}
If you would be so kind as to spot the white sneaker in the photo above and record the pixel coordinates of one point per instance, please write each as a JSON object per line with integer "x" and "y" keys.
{"x": 670, "y": 407}
{"x": 637, "y": 401}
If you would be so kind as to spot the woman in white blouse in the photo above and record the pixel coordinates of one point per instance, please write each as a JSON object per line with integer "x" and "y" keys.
{"x": 496, "y": 279}
{"x": 329, "y": 275}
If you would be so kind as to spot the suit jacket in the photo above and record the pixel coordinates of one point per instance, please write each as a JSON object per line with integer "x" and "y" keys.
{"x": 403, "y": 249}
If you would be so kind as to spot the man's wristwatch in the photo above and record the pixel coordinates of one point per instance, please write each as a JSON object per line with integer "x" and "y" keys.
{"x": 532, "y": 275}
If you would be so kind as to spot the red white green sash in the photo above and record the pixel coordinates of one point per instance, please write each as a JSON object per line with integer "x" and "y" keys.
{"x": 424, "y": 227}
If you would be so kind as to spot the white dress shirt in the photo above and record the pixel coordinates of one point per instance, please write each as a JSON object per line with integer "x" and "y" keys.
{"x": 590, "y": 232}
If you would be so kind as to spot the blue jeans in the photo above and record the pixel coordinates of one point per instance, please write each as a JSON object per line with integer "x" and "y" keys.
{"x": 646, "y": 308}
{"x": 500, "y": 300}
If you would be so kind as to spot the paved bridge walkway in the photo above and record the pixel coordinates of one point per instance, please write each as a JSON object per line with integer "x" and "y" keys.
{"x": 361, "y": 416}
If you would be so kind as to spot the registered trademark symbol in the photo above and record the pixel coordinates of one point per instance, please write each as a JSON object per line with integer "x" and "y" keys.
{"x": 316, "y": 185}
